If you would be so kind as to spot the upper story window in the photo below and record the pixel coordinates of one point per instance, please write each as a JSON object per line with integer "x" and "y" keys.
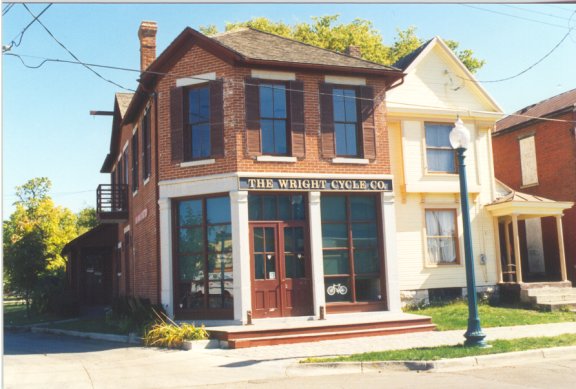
{"x": 197, "y": 122}
{"x": 135, "y": 161}
{"x": 274, "y": 118}
{"x": 347, "y": 123}
{"x": 125, "y": 173}
{"x": 198, "y": 125}
{"x": 528, "y": 162}
{"x": 440, "y": 156}
{"x": 441, "y": 236}
{"x": 146, "y": 146}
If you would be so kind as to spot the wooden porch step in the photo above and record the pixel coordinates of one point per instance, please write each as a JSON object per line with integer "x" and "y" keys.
{"x": 273, "y": 333}
{"x": 332, "y": 335}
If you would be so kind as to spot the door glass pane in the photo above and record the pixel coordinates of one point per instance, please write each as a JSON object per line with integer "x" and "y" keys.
{"x": 337, "y": 289}
{"x": 294, "y": 252}
{"x": 334, "y": 235}
{"x": 336, "y": 262}
{"x": 366, "y": 261}
{"x": 368, "y": 289}
{"x": 258, "y": 240}
{"x": 363, "y": 208}
{"x": 333, "y": 208}
{"x": 259, "y": 266}
{"x": 364, "y": 235}
{"x": 295, "y": 265}
{"x": 271, "y": 266}
{"x": 269, "y": 240}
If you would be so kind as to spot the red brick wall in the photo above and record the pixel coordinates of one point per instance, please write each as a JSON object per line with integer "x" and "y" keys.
{"x": 556, "y": 164}
{"x": 197, "y": 61}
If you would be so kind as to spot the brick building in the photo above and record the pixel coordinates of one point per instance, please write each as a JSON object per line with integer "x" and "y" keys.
{"x": 250, "y": 177}
{"x": 535, "y": 152}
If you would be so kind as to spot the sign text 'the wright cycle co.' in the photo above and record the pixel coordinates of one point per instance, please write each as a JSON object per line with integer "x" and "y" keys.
{"x": 315, "y": 184}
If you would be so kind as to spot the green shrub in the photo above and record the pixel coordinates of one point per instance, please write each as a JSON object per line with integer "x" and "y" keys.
{"x": 133, "y": 314}
{"x": 51, "y": 296}
{"x": 171, "y": 334}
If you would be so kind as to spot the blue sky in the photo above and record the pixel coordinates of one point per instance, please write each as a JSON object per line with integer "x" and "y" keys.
{"x": 47, "y": 129}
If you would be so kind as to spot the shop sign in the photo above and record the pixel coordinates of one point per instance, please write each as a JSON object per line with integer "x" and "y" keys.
{"x": 315, "y": 184}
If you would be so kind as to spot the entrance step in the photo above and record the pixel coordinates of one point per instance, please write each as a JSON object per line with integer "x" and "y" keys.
{"x": 267, "y": 334}
{"x": 550, "y": 297}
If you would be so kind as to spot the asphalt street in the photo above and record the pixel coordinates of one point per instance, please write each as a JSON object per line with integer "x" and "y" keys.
{"x": 49, "y": 361}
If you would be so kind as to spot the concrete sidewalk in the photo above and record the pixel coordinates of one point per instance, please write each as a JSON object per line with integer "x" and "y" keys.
{"x": 389, "y": 342}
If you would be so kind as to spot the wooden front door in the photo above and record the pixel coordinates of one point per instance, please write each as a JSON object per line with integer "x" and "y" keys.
{"x": 281, "y": 282}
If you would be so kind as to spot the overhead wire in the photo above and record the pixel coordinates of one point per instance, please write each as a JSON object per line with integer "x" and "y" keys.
{"x": 512, "y": 16}
{"x": 73, "y": 55}
{"x": 21, "y": 34}
{"x": 535, "y": 12}
{"x": 7, "y": 8}
{"x": 243, "y": 83}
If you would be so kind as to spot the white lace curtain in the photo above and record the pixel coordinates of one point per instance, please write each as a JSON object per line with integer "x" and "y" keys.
{"x": 441, "y": 235}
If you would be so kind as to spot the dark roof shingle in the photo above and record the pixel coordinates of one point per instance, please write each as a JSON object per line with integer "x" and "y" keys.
{"x": 405, "y": 61}
{"x": 541, "y": 109}
{"x": 263, "y": 46}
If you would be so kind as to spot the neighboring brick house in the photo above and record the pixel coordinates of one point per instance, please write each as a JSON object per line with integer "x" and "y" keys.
{"x": 535, "y": 151}
{"x": 250, "y": 177}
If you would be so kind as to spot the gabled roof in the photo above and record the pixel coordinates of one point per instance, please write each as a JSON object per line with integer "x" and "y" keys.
{"x": 439, "y": 81}
{"x": 544, "y": 108}
{"x": 407, "y": 60}
{"x": 254, "y": 44}
{"x": 251, "y": 47}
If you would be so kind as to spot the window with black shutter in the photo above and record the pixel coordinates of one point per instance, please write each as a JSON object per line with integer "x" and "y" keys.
{"x": 135, "y": 162}
{"x": 347, "y": 121}
{"x": 197, "y": 122}
{"x": 146, "y": 146}
{"x": 275, "y": 118}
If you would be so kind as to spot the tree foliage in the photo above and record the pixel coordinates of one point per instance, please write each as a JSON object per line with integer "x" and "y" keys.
{"x": 34, "y": 236}
{"x": 325, "y": 32}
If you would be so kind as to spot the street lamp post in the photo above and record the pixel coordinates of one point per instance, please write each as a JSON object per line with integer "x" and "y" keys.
{"x": 460, "y": 139}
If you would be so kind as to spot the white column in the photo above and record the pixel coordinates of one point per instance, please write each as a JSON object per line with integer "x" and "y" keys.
{"x": 517, "y": 256}
{"x": 561, "y": 249}
{"x": 241, "y": 254}
{"x": 315, "y": 223}
{"x": 497, "y": 243}
{"x": 166, "y": 282}
{"x": 390, "y": 258}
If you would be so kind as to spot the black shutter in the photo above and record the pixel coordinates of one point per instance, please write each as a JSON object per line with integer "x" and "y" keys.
{"x": 367, "y": 117}
{"x": 217, "y": 117}
{"x": 328, "y": 148}
{"x": 177, "y": 123}
{"x": 253, "y": 136}
{"x": 297, "y": 128}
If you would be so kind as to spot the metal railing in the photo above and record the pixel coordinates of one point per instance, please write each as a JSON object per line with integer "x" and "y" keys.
{"x": 111, "y": 198}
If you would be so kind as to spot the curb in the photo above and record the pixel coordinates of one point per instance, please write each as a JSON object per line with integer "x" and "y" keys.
{"x": 480, "y": 361}
{"x": 130, "y": 339}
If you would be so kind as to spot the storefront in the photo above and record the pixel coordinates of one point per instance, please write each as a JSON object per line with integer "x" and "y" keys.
{"x": 250, "y": 247}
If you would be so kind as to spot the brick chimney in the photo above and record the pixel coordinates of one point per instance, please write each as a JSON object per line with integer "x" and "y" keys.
{"x": 353, "y": 51}
{"x": 147, "y": 36}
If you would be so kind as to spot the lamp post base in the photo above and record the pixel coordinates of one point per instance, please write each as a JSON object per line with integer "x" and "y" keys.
{"x": 474, "y": 335}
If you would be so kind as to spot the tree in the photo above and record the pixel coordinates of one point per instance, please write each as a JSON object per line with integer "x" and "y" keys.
{"x": 34, "y": 236}
{"x": 324, "y": 32}
{"x": 86, "y": 219}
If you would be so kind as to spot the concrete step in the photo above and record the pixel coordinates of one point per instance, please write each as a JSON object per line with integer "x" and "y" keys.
{"x": 550, "y": 291}
{"x": 557, "y": 306}
{"x": 552, "y": 299}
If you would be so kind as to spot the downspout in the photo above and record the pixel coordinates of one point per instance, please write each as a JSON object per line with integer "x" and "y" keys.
{"x": 157, "y": 191}
{"x": 392, "y": 86}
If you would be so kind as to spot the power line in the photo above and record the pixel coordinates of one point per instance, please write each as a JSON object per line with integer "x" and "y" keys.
{"x": 243, "y": 83}
{"x": 513, "y": 16}
{"x": 73, "y": 55}
{"x": 21, "y": 34}
{"x": 535, "y": 12}
{"x": 7, "y": 8}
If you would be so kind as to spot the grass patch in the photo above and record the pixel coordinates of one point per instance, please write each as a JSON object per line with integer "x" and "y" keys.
{"x": 458, "y": 351}
{"x": 454, "y": 316}
{"x": 15, "y": 314}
